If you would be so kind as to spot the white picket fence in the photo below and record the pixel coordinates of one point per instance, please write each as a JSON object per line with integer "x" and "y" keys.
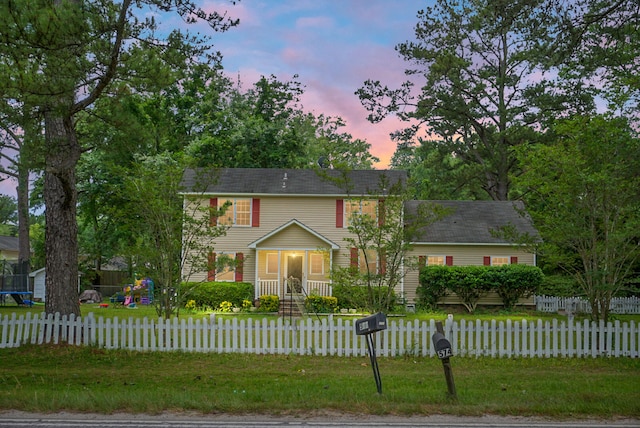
{"x": 618, "y": 305}
{"x": 326, "y": 336}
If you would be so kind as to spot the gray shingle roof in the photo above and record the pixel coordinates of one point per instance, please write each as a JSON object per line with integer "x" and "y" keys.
{"x": 471, "y": 222}
{"x": 272, "y": 181}
{"x": 8, "y": 243}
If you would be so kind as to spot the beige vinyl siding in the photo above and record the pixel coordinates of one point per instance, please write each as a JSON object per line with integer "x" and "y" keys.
{"x": 463, "y": 255}
{"x": 293, "y": 237}
{"x": 316, "y": 213}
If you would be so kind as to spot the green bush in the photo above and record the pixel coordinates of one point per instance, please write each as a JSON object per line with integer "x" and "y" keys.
{"x": 512, "y": 282}
{"x": 269, "y": 303}
{"x": 321, "y": 304}
{"x": 358, "y": 297}
{"x": 212, "y": 294}
{"x": 560, "y": 286}
{"x": 470, "y": 283}
{"x": 434, "y": 285}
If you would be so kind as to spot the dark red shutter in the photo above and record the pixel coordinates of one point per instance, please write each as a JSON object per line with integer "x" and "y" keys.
{"x": 422, "y": 261}
{"x": 255, "y": 213}
{"x": 514, "y": 260}
{"x": 487, "y": 261}
{"x": 353, "y": 260}
{"x": 213, "y": 207}
{"x": 339, "y": 213}
{"x": 448, "y": 260}
{"x": 239, "y": 266}
{"x": 211, "y": 267}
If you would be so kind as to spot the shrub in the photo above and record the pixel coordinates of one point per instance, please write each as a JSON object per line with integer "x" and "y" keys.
{"x": 470, "y": 283}
{"x": 512, "y": 282}
{"x": 212, "y": 294}
{"x": 321, "y": 304}
{"x": 434, "y": 283}
{"x": 357, "y": 296}
{"x": 269, "y": 303}
{"x": 225, "y": 306}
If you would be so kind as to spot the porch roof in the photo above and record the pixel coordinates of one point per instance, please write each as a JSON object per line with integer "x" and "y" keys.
{"x": 288, "y": 224}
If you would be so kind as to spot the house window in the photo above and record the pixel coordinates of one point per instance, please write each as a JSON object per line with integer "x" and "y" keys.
{"x": 316, "y": 264}
{"x": 355, "y": 207}
{"x": 272, "y": 263}
{"x": 500, "y": 260}
{"x": 226, "y": 264}
{"x": 238, "y": 213}
{"x": 370, "y": 261}
{"x": 435, "y": 261}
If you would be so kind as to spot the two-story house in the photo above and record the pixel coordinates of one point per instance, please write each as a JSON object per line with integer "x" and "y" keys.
{"x": 291, "y": 224}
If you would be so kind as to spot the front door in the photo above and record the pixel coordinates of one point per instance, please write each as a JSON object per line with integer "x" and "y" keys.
{"x": 294, "y": 274}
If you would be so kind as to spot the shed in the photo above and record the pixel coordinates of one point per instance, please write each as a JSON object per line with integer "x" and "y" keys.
{"x": 39, "y": 279}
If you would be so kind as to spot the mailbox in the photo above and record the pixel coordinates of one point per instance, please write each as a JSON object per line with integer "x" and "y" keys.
{"x": 442, "y": 346}
{"x": 371, "y": 324}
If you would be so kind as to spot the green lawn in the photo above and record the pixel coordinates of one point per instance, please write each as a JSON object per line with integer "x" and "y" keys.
{"x": 141, "y": 311}
{"x": 86, "y": 379}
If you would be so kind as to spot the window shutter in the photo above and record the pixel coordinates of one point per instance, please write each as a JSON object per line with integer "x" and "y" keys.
{"x": 211, "y": 265}
{"x": 422, "y": 261}
{"x": 339, "y": 213}
{"x": 514, "y": 260}
{"x": 239, "y": 267}
{"x": 255, "y": 213}
{"x": 487, "y": 261}
{"x": 448, "y": 260}
{"x": 353, "y": 260}
{"x": 381, "y": 212}
{"x": 383, "y": 264}
{"x": 213, "y": 206}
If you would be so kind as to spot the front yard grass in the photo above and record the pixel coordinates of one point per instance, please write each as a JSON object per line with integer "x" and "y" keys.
{"x": 86, "y": 379}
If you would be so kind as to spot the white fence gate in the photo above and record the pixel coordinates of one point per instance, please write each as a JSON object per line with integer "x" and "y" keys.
{"x": 327, "y": 336}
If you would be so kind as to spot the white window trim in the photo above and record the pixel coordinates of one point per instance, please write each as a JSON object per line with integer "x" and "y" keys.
{"x": 222, "y": 201}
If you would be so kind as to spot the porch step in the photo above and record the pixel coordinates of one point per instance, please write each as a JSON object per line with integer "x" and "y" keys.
{"x": 291, "y": 306}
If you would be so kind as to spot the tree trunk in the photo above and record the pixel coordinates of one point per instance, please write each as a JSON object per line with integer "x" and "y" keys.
{"x": 24, "y": 246}
{"x": 60, "y": 196}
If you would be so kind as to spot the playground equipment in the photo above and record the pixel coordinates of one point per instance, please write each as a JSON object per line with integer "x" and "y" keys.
{"x": 139, "y": 293}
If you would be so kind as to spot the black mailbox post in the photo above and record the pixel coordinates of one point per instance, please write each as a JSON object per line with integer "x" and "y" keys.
{"x": 366, "y": 326}
{"x": 442, "y": 347}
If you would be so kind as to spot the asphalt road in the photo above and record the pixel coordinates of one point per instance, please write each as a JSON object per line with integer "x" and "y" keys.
{"x": 63, "y": 420}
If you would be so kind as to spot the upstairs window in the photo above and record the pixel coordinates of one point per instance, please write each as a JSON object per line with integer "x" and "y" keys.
{"x": 359, "y": 207}
{"x": 238, "y": 213}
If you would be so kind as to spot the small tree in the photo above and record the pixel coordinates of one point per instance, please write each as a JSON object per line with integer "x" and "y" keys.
{"x": 380, "y": 242}
{"x": 172, "y": 241}
{"x": 584, "y": 199}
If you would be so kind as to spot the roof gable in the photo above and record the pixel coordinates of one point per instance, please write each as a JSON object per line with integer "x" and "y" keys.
{"x": 472, "y": 222}
{"x": 268, "y": 181}
{"x": 289, "y": 224}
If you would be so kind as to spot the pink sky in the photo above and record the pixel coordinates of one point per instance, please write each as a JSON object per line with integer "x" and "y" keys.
{"x": 332, "y": 45}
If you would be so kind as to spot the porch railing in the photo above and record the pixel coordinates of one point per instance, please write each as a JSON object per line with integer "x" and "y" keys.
{"x": 274, "y": 287}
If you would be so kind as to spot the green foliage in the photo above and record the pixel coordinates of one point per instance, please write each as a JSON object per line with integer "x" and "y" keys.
{"x": 225, "y": 306}
{"x": 212, "y": 294}
{"x": 353, "y": 296}
{"x": 269, "y": 303}
{"x": 584, "y": 198}
{"x": 470, "y": 283}
{"x": 434, "y": 285}
{"x": 559, "y": 285}
{"x": 321, "y": 304}
{"x": 512, "y": 282}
